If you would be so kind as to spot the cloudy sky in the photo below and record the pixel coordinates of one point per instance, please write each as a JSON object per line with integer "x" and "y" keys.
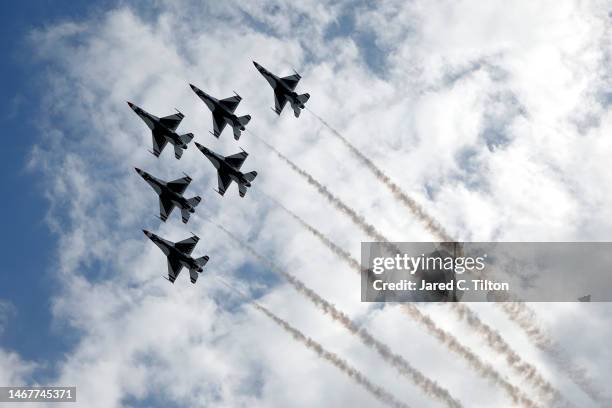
{"x": 494, "y": 116}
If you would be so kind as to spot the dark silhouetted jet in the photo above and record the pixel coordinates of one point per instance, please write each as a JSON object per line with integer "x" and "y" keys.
{"x": 228, "y": 170}
{"x": 284, "y": 91}
{"x": 179, "y": 256}
{"x": 223, "y": 112}
{"x": 164, "y": 131}
{"x": 171, "y": 195}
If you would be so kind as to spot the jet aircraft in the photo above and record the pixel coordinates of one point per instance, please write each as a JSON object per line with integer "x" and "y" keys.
{"x": 223, "y": 112}
{"x": 179, "y": 256}
{"x": 228, "y": 170}
{"x": 164, "y": 131}
{"x": 284, "y": 91}
{"x": 171, "y": 195}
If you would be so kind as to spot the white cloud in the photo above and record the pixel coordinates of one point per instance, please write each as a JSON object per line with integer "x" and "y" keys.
{"x": 474, "y": 114}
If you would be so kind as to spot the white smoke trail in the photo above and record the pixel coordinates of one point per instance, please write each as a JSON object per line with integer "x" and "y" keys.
{"x": 525, "y": 318}
{"x": 428, "y": 386}
{"x": 493, "y": 338}
{"x": 485, "y": 370}
{"x": 335, "y": 201}
{"x": 516, "y": 362}
{"x": 432, "y": 225}
{"x": 446, "y": 338}
{"x": 377, "y": 391}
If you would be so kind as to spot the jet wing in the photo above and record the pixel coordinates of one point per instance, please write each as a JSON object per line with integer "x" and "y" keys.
{"x": 174, "y": 268}
{"x": 218, "y": 125}
{"x": 179, "y": 185}
{"x": 159, "y": 142}
{"x": 280, "y": 100}
{"x": 165, "y": 208}
{"x": 172, "y": 121}
{"x": 230, "y": 103}
{"x": 186, "y": 246}
{"x": 291, "y": 81}
{"x": 224, "y": 181}
{"x": 236, "y": 160}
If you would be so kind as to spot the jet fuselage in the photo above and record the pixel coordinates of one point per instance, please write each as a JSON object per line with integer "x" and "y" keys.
{"x": 157, "y": 127}
{"x": 216, "y": 108}
{"x": 279, "y": 85}
{"x": 161, "y": 188}
{"x": 221, "y": 165}
{"x": 169, "y": 250}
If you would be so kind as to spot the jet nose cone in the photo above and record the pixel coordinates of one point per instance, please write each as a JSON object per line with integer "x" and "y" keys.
{"x": 147, "y": 233}
{"x": 138, "y": 170}
{"x": 256, "y": 64}
{"x": 201, "y": 148}
{"x": 193, "y": 87}
{"x": 130, "y": 104}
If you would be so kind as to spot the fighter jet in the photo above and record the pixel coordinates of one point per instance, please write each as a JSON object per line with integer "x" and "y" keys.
{"x": 228, "y": 170}
{"x": 171, "y": 195}
{"x": 586, "y": 298}
{"x": 179, "y": 256}
{"x": 223, "y": 112}
{"x": 284, "y": 91}
{"x": 164, "y": 131}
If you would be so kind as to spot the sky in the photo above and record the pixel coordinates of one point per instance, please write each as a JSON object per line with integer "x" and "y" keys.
{"x": 493, "y": 116}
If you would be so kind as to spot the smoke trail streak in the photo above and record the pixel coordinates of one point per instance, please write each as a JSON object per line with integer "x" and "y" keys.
{"x": 485, "y": 370}
{"x": 341, "y": 253}
{"x": 339, "y": 204}
{"x": 446, "y": 338}
{"x": 428, "y": 386}
{"x": 526, "y": 321}
{"x": 525, "y": 318}
{"x": 497, "y": 343}
{"x": 432, "y": 225}
{"x": 377, "y": 391}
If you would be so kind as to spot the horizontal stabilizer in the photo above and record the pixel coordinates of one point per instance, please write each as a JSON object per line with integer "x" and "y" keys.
{"x": 202, "y": 261}
{"x": 242, "y": 190}
{"x": 186, "y": 138}
{"x": 178, "y": 152}
{"x": 185, "y": 214}
{"x": 250, "y": 176}
{"x": 194, "y": 201}
{"x": 193, "y": 275}
{"x": 303, "y": 98}
{"x": 243, "y": 120}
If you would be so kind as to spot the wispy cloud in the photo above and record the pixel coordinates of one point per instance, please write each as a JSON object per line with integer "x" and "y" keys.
{"x": 452, "y": 72}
